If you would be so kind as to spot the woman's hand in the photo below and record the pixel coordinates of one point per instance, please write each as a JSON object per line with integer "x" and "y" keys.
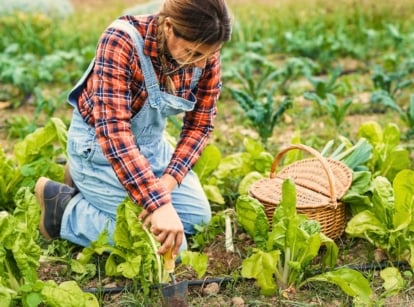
{"x": 165, "y": 222}
{"x": 166, "y": 227}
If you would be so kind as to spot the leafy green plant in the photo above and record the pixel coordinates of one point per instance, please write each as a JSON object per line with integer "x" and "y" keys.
{"x": 393, "y": 282}
{"x": 294, "y": 68}
{"x": 355, "y": 156}
{"x": 205, "y": 234}
{"x": 388, "y": 219}
{"x": 257, "y": 100}
{"x": 234, "y": 167}
{"x": 390, "y": 86}
{"x": 388, "y": 154}
{"x": 132, "y": 250}
{"x": 19, "y": 252}
{"x": 299, "y": 43}
{"x": 19, "y": 261}
{"x": 323, "y": 87}
{"x": 285, "y": 252}
{"x": 18, "y": 126}
{"x": 331, "y": 106}
{"x": 27, "y": 74}
{"x": 408, "y": 117}
{"x": 262, "y": 114}
{"x": 207, "y": 163}
{"x": 198, "y": 261}
{"x": 395, "y": 34}
{"x": 314, "y": 41}
{"x": 221, "y": 176}
{"x": 255, "y": 75}
{"x": 36, "y": 155}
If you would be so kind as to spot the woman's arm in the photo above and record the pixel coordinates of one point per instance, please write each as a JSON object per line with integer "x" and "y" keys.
{"x": 199, "y": 123}
{"x": 116, "y": 62}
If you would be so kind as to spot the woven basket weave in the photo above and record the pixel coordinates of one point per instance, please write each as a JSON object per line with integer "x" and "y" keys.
{"x": 320, "y": 183}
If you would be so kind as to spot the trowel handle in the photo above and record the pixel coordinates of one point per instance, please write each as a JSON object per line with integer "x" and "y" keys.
{"x": 169, "y": 261}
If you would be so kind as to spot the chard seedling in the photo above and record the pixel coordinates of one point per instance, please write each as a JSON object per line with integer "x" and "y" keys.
{"x": 285, "y": 252}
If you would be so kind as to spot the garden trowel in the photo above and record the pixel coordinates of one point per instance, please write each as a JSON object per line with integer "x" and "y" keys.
{"x": 174, "y": 294}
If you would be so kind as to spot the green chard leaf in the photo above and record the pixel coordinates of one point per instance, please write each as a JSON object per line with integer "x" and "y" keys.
{"x": 197, "y": 261}
{"x": 393, "y": 281}
{"x": 403, "y": 185}
{"x": 252, "y": 217}
{"x": 67, "y": 294}
{"x": 383, "y": 201}
{"x": 208, "y": 162}
{"x": 262, "y": 266}
{"x": 352, "y": 282}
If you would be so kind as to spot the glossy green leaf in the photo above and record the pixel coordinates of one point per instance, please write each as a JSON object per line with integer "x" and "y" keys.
{"x": 198, "y": 261}
{"x": 393, "y": 281}
{"x": 261, "y": 266}
{"x": 352, "y": 282}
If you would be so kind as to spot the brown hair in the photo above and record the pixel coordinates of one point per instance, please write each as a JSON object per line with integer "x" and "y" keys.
{"x": 206, "y": 22}
{"x": 203, "y": 21}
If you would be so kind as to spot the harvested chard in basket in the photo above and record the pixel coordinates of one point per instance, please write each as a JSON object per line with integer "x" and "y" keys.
{"x": 354, "y": 156}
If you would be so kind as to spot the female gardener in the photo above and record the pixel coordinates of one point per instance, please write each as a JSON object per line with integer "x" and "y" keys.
{"x": 146, "y": 68}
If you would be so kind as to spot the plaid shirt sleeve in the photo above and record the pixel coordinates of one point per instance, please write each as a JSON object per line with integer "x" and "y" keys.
{"x": 198, "y": 124}
{"x": 112, "y": 112}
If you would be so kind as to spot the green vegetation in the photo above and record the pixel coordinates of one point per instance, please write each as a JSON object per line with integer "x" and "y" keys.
{"x": 336, "y": 76}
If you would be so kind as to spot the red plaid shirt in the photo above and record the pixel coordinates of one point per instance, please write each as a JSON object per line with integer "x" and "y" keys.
{"x": 115, "y": 92}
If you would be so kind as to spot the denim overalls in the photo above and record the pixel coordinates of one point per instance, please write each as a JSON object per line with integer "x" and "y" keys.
{"x": 94, "y": 208}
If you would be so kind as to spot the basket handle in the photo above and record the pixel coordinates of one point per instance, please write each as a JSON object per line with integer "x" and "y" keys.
{"x": 325, "y": 166}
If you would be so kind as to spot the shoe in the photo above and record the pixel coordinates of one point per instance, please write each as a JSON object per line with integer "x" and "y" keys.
{"x": 53, "y": 198}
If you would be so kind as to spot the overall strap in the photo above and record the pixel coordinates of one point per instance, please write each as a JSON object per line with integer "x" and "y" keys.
{"x": 146, "y": 65}
{"x": 196, "y": 77}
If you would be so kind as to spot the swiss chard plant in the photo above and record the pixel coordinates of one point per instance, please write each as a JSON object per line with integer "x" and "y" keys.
{"x": 207, "y": 163}
{"x": 389, "y": 156}
{"x": 132, "y": 250}
{"x": 331, "y": 106}
{"x": 19, "y": 252}
{"x": 355, "y": 156}
{"x": 322, "y": 86}
{"x": 285, "y": 251}
{"x": 36, "y": 155}
{"x": 257, "y": 98}
{"x": 387, "y": 221}
{"x": 19, "y": 261}
{"x": 221, "y": 176}
{"x": 262, "y": 112}
{"x": 390, "y": 88}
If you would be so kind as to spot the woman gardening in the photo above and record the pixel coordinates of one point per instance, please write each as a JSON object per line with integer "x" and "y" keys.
{"x": 145, "y": 69}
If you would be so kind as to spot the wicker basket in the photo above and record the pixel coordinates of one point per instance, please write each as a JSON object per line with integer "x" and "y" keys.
{"x": 320, "y": 183}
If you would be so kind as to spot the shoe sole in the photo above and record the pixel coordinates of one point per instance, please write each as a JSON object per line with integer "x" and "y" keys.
{"x": 39, "y": 190}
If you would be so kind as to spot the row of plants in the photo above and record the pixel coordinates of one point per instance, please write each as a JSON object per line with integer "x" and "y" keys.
{"x": 263, "y": 91}
{"x": 40, "y": 52}
{"x": 272, "y": 66}
{"x": 380, "y": 198}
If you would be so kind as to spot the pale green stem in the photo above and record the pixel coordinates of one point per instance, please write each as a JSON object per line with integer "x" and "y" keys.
{"x": 155, "y": 248}
{"x": 286, "y": 266}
